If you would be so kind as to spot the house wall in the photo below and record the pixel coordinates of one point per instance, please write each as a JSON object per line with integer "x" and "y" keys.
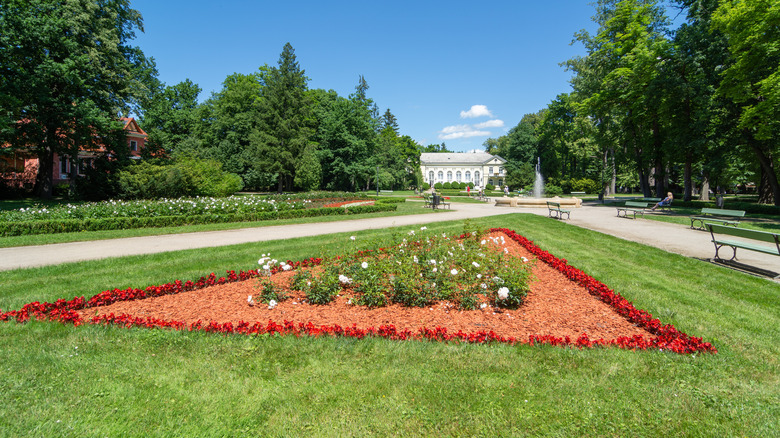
{"x": 497, "y": 177}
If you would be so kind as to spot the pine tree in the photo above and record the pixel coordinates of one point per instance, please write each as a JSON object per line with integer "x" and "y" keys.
{"x": 286, "y": 118}
{"x": 389, "y": 122}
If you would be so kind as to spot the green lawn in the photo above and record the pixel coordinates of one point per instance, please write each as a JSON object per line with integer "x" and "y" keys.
{"x": 682, "y": 216}
{"x": 404, "y": 208}
{"x": 59, "y": 380}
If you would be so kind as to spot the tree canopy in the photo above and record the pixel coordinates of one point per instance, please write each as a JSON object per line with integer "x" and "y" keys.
{"x": 68, "y": 71}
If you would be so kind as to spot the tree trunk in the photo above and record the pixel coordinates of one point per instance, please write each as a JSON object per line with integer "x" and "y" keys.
{"x": 769, "y": 189}
{"x": 660, "y": 170}
{"x": 687, "y": 178}
{"x": 43, "y": 182}
{"x": 644, "y": 184}
{"x": 613, "y": 179}
{"x": 705, "y": 188}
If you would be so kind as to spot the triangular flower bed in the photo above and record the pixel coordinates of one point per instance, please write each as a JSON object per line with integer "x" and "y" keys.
{"x": 648, "y": 332}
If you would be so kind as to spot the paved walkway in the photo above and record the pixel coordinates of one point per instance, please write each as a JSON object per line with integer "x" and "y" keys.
{"x": 670, "y": 237}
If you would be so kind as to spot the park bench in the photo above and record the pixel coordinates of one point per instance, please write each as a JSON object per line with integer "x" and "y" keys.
{"x": 554, "y": 210}
{"x": 427, "y": 200}
{"x": 443, "y": 203}
{"x": 386, "y": 191}
{"x": 632, "y": 207}
{"x": 578, "y": 193}
{"x": 667, "y": 207}
{"x": 725, "y": 217}
{"x": 761, "y": 236}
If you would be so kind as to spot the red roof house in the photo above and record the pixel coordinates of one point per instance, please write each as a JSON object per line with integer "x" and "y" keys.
{"x": 20, "y": 169}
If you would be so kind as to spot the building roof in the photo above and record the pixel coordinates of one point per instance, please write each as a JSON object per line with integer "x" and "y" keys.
{"x": 434, "y": 158}
{"x": 131, "y": 126}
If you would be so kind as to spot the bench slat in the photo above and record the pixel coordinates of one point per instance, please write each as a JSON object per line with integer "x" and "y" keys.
{"x": 762, "y": 236}
{"x": 751, "y": 247}
{"x": 720, "y": 212}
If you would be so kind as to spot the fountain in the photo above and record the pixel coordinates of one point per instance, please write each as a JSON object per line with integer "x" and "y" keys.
{"x": 538, "y": 180}
{"x": 537, "y": 200}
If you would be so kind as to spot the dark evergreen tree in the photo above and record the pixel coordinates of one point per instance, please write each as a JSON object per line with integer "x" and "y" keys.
{"x": 285, "y": 119}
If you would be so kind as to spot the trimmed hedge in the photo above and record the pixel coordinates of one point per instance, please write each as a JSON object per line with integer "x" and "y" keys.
{"x": 395, "y": 200}
{"x": 122, "y": 223}
{"x": 748, "y": 207}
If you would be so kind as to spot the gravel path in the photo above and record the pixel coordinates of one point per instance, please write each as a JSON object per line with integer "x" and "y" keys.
{"x": 669, "y": 237}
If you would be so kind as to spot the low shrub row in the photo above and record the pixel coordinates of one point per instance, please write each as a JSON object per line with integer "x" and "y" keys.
{"x": 388, "y": 200}
{"x": 121, "y": 223}
{"x": 748, "y": 207}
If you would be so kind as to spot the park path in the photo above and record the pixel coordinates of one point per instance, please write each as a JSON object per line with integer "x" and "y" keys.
{"x": 44, "y": 255}
{"x": 674, "y": 238}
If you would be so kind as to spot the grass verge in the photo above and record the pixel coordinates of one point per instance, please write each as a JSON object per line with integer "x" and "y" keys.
{"x": 404, "y": 208}
{"x": 94, "y": 381}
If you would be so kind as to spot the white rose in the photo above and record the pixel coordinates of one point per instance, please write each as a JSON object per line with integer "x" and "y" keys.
{"x": 503, "y": 293}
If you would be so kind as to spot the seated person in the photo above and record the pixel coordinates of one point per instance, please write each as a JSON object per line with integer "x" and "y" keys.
{"x": 667, "y": 201}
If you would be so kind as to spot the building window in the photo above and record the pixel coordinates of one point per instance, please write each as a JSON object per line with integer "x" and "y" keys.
{"x": 490, "y": 181}
{"x": 441, "y": 176}
{"x": 490, "y": 171}
{"x": 133, "y": 146}
{"x": 500, "y": 170}
{"x": 458, "y": 176}
{"x": 449, "y": 176}
{"x": 468, "y": 176}
{"x": 63, "y": 165}
{"x": 84, "y": 164}
{"x": 477, "y": 179}
{"x": 430, "y": 177}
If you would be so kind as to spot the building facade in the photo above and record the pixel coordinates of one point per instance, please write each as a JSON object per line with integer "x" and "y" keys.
{"x": 20, "y": 169}
{"x": 478, "y": 168}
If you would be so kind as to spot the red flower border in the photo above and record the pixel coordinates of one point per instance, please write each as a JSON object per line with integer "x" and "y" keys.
{"x": 667, "y": 337}
{"x": 347, "y": 203}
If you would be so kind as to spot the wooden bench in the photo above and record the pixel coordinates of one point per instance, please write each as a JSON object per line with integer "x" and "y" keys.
{"x": 555, "y": 207}
{"x": 725, "y": 217}
{"x": 667, "y": 207}
{"x": 427, "y": 200}
{"x": 761, "y": 236}
{"x": 632, "y": 207}
{"x": 577, "y": 193}
{"x": 386, "y": 191}
{"x": 443, "y": 203}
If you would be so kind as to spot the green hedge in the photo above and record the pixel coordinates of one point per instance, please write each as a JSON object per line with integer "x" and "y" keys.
{"x": 388, "y": 200}
{"x": 121, "y": 223}
{"x": 748, "y": 207}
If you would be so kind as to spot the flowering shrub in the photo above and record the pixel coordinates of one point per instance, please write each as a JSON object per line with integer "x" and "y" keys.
{"x": 435, "y": 268}
{"x": 153, "y": 208}
{"x": 120, "y": 223}
{"x": 667, "y": 337}
{"x": 347, "y": 204}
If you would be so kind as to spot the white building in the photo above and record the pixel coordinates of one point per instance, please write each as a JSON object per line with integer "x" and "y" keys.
{"x": 478, "y": 168}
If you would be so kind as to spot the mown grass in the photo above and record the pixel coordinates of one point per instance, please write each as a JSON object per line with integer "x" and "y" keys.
{"x": 404, "y": 208}
{"x": 155, "y": 382}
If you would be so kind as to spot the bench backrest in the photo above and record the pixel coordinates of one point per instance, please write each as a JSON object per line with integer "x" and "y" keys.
{"x": 721, "y": 212}
{"x": 742, "y": 232}
{"x": 652, "y": 199}
{"x": 636, "y": 204}
{"x": 553, "y": 204}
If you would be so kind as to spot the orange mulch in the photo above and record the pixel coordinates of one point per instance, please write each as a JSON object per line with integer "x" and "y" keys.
{"x": 554, "y": 306}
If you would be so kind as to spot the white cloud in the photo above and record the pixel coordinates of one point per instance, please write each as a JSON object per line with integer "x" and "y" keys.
{"x": 461, "y": 131}
{"x": 476, "y": 111}
{"x": 495, "y": 123}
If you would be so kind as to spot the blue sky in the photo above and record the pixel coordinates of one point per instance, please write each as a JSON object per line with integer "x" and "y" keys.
{"x": 455, "y": 71}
